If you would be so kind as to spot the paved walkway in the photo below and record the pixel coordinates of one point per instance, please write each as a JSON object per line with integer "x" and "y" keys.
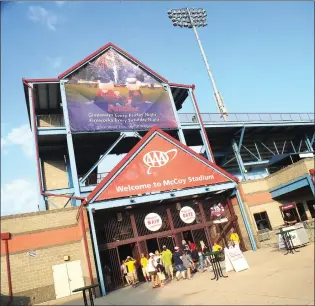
{"x": 273, "y": 279}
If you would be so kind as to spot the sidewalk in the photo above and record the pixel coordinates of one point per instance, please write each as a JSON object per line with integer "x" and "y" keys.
{"x": 273, "y": 279}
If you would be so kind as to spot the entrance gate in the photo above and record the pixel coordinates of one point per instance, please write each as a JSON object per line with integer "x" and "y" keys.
{"x": 124, "y": 234}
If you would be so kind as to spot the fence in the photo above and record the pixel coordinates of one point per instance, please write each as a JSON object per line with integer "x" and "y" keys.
{"x": 247, "y": 117}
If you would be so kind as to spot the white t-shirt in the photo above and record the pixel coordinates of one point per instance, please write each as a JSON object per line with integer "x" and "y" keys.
{"x": 151, "y": 263}
{"x": 123, "y": 268}
{"x": 156, "y": 259}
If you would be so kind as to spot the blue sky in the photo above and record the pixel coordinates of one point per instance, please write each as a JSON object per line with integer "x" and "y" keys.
{"x": 261, "y": 54}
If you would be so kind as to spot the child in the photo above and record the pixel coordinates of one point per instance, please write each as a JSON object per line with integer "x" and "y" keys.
{"x": 160, "y": 272}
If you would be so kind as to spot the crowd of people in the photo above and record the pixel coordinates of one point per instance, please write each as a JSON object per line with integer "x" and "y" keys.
{"x": 182, "y": 263}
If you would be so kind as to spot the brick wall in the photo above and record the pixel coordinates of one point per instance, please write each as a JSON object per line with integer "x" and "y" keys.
{"x": 257, "y": 197}
{"x": 289, "y": 173}
{"x": 32, "y": 277}
{"x": 43, "y": 220}
{"x": 241, "y": 224}
{"x": 54, "y": 174}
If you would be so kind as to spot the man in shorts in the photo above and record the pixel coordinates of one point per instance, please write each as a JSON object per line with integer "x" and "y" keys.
{"x": 167, "y": 261}
{"x": 180, "y": 269}
{"x": 132, "y": 274}
{"x": 144, "y": 266}
{"x": 152, "y": 270}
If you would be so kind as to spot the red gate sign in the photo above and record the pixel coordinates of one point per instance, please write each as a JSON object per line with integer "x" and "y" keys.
{"x": 153, "y": 222}
{"x": 287, "y": 206}
{"x": 217, "y": 210}
{"x": 187, "y": 214}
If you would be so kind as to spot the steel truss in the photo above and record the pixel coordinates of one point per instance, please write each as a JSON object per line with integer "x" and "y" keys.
{"x": 248, "y": 152}
{"x": 118, "y": 140}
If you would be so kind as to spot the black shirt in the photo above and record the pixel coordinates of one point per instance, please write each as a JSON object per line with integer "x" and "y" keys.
{"x": 176, "y": 258}
{"x": 289, "y": 218}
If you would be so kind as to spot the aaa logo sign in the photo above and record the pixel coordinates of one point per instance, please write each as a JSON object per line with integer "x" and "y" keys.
{"x": 157, "y": 159}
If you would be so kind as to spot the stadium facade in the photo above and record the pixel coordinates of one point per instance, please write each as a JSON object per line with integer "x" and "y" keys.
{"x": 122, "y": 171}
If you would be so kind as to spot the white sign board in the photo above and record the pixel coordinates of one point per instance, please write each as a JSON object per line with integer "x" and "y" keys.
{"x": 228, "y": 264}
{"x": 153, "y": 222}
{"x": 187, "y": 214}
{"x": 235, "y": 258}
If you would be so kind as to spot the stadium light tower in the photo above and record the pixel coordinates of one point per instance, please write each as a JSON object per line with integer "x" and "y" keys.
{"x": 193, "y": 18}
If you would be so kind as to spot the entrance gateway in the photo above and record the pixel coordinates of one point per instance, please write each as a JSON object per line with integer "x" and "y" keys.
{"x": 161, "y": 193}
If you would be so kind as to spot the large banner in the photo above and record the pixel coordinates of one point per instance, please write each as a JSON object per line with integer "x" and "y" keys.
{"x": 112, "y": 93}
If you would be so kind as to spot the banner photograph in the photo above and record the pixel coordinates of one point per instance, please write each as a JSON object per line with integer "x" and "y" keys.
{"x": 112, "y": 93}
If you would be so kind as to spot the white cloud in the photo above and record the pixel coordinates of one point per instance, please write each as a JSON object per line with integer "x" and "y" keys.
{"x": 3, "y": 142}
{"x": 38, "y": 14}
{"x": 26, "y": 201}
{"x": 60, "y": 3}
{"x": 21, "y": 136}
{"x": 54, "y": 62}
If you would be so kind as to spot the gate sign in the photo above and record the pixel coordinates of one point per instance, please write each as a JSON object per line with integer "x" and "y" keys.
{"x": 187, "y": 214}
{"x": 153, "y": 222}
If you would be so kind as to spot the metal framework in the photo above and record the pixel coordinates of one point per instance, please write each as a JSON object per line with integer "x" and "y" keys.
{"x": 253, "y": 151}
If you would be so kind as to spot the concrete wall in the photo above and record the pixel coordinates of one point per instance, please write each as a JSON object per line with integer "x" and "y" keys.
{"x": 51, "y": 235}
{"x": 257, "y": 197}
{"x": 290, "y": 173}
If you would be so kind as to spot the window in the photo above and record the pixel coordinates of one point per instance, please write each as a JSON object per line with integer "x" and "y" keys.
{"x": 262, "y": 221}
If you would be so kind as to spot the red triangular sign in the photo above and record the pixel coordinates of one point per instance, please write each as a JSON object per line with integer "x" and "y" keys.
{"x": 163, "y": 164}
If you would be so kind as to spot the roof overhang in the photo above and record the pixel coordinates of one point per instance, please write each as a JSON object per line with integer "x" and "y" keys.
{"x": 132, "y": 164}
{"x": 47, "y": 85}
{"x": 132, "y": 201}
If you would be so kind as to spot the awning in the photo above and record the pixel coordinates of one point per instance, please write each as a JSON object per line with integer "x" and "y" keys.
{"x": 287, "y": 206}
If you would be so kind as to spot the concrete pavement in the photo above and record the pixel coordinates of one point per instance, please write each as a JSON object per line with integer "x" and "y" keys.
{"x": 272, "y": 279}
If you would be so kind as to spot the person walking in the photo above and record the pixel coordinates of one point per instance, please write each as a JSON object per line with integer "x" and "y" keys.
{"x": 152, "y": 270}
{"x": 157, "y": 261}
{"x": 187, "y": 262}
{"x": 132, "y": 274}
{"x": 167, "y": 261}
{"x": 180, "y": 269}
{"x": 124, "y": 272}
{"x": 234, "y": 237}
{"x": 201, "y": 267}
{"x": 144, "y": 266}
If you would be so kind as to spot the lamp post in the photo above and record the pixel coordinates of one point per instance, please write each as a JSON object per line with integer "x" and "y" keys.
{"x": 193, "y": 18}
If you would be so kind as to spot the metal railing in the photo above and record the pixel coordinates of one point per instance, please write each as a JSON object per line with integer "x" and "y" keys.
{"x": 246, "y": 117}
{"x": 93, "y": 178}
{"x": 52, "y": 120}
{"x": 45, "y": 121}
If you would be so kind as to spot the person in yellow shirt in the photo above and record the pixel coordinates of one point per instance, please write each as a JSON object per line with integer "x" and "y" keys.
{"x": 216, "y": 247}
{"x": 234, "y": 237}
{"x": 144, "y": 266}
{"x": 132, "y": 274}
{"x": 167, "y": 262}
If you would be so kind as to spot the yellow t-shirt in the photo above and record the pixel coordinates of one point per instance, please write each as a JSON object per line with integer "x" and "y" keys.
{"x": 216, "y": 247}
{"x": 167, "y": 257}
{"x": 144, "y": 262}
{"x": 130, "y": 265}
{"x": 234, "y": 237}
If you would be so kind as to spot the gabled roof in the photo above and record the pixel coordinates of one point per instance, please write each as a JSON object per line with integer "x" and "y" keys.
{"x": 117, "y": 175}
{"x": 96, "y": 54}
{"x": 99, "y": 52}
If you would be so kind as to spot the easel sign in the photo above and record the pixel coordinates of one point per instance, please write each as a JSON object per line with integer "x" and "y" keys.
{"x": 235, "y": 260}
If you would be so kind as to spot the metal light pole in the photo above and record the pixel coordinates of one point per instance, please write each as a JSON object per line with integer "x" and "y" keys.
{"x": 193, "y": 18}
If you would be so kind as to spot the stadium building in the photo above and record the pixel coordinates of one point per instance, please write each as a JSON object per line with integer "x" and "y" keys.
{"x": 122, "y": 171}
